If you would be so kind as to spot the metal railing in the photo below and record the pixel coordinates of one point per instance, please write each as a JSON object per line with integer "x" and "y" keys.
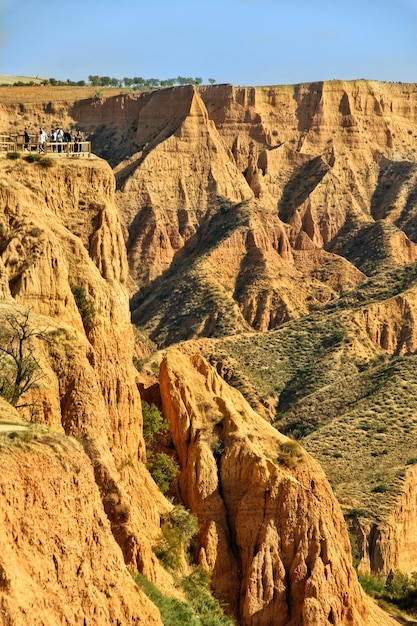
{"x": 60, "y": 148}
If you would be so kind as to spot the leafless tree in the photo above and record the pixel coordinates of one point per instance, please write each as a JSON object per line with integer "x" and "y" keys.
{"x": 20, "y": 370}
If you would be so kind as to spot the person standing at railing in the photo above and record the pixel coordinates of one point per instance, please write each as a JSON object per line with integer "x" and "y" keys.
{"x": 77, "y": 141}
{"x": 27, "y": 140}
{"x": 42, "y": 140}
{"x": 59, "y": 138}
{"x": 67, "y": 139}
{"x": 52, "y": 139}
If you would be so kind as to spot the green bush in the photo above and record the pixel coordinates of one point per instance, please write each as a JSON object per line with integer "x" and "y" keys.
{"x": 85, "y": 306}
{"x": 32, "y": 157}
{"x": 198, "y": 593}
{"x": 161, "y": 466}
{"x": 154, "y": 423}
{"x": 356, "y": 513}
{"x": 399, "y": 585}
{"x": 380, "y": 488}
{"x": 298, "y": 430}
{"x": 46, "y": 162}
{"x": 12, "y": 155}
{"x": 163, "y": 470}
{"x": 202, "y": 608}
{"x": 177, "y": 531}
{"x": 290, "y": 454}
{"x": 372, "y": 584}
{"x": 397, "y": 588}
{"x": 354, "y": 548}
{"x": 333, "y": 338}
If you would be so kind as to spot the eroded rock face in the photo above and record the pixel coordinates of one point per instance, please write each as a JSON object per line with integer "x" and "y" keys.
{"x": 59, "y": 562}
{"x": 264, "y": 200}
{"x": 326, "y": 171}
{"x": 315, "y": 175}
{"x": 391, "y": 324}
{"x": 60, "y": 232}
{"x": 390, "y": 546}
{"x": 271, "y": 532}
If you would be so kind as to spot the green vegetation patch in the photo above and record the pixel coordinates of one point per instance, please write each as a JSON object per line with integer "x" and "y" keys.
{"x": 162, "y": 467}
{"x": 289, "y": 363}
{"x": 173, "y": 611}
{"x": 177, "y": 530}
{"x": 32, "y": 157}
{"x": 367, "y": 444}
{"x": 46, "y": 162}
{"x": 382, "y": 286}
{"x": 395, "y": 593}
{"x": 13, "y": 155}
{"x": 290, "y": 453}
{"x": 201, "y": 608}
{"x": 86, "y": 306}
{"x": 197, "y": 590}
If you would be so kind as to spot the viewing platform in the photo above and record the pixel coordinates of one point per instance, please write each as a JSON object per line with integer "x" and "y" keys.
{"x": 17, "y": 143}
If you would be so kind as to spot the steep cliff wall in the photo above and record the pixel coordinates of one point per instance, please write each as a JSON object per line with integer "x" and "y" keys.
{"x": 390, "y": 546}
{"x": 59, "y": 562}
{"x": 271, "y": 531}
{"x": 60, "y": 232}
{"x": 244, "y": 208}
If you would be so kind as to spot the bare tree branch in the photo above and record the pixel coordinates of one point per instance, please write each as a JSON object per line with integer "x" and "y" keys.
{"x": 20, "y": 370}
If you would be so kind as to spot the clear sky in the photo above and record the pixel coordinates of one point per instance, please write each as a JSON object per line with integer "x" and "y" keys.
{"x": 244, "y": 42}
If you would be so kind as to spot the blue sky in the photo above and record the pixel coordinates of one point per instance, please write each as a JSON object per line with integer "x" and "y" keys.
{"x": 244, "y": 42}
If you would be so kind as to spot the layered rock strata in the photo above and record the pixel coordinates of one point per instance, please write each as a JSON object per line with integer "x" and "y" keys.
{"x": 328, "y": 166}
{"x": 59, "y": 562}
{"x": 63, "y": 259}
{"x": 271, "y": 531}
{"x": 245, "y": 208}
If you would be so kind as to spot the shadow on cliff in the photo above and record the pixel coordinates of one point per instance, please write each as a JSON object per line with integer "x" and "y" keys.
{"x": 309, "y": 104}
{"x": 395, "y": 196}
{"x": 185, "y": 295}
{"x": 301, "y": 185}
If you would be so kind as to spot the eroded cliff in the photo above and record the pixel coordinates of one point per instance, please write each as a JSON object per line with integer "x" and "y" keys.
{"x": 244, "y": 210}
{"x": 290, "y": 184}
{"x": 271, "y": 531}
{"x": 61, "y": 237}
{"x": 304, "y": 189}
{"x": 59, "y": 562}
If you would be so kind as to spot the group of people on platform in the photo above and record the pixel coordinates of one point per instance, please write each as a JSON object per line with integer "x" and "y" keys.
{"x": 57, "y": 138}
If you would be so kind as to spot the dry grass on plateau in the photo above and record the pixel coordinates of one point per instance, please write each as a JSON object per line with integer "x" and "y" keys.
{"x": 36, "y": 94}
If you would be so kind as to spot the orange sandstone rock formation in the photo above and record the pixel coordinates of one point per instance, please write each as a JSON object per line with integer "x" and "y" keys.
{"x": 326, "y": 172}
{"x": 309, "y": 165}
{"x": 60, "y": 230}
{"x": 271, "y": 532}
{"x": 245, "y": 207}
{"x": 59, "y": 562}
